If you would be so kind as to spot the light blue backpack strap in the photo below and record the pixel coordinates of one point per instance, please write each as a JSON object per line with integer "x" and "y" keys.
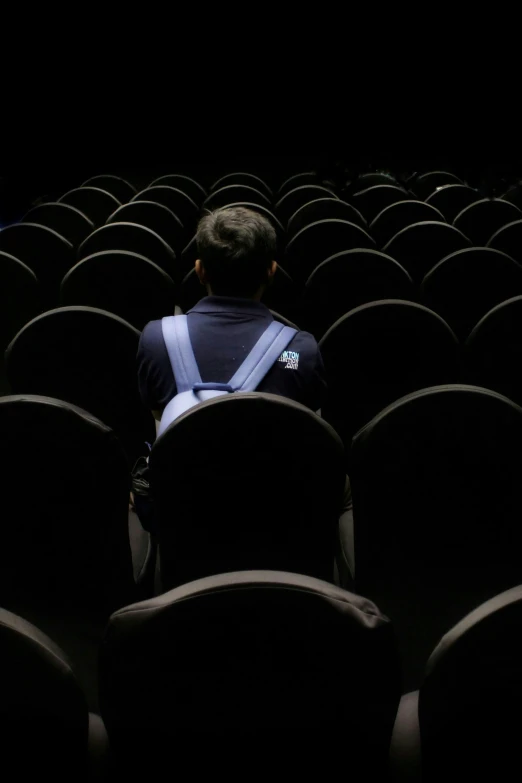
{"x": 179, "y": 349}
{"x": 262, "y": 357}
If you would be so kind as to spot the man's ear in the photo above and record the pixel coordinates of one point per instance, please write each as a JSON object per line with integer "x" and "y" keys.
{"x": 200, "y": 271}
{"x": 272, "y": 270}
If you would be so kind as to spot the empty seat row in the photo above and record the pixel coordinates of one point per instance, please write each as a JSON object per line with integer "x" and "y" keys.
{"x": 308, "y": 663}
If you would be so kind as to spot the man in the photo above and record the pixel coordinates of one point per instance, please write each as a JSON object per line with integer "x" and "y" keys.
{"x": 236, "y": 251}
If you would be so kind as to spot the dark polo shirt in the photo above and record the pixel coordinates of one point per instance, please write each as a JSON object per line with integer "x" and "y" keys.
{"x": 223, "y": 330}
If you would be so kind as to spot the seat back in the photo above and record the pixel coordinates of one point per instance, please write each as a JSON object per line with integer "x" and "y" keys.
{"x": 425, "y": 184}
{"x": 349, "y": 279}
{"x": 131, "y": 237}
{"x": 96, "y": 203}
{"x": 188, "y": 185}
{"x": 290, "y": 202}
{"x": 66, "y": 220}
{"x": 373, "y": 200}
{"x": 259, "y": 482}
{"x": 318, "y": 241}
{"x": 479, "y": 221}
{"x": 379, "y": 352}
{"x": 243, "y": 178}
{"x": 508, "y": 239}
{"x": 118, "y": 187}
{"x": 65, "y": 537}
{"x": 19, "y": 297}
{"x": 230, "y": 194}
{"x": 452, "y": 199}
{"x": 43, "y": 712}
{"x": 252, "y": 664}
{"x": 422, "y": 245}
{"x": 123, "y": 283}
{"x": 324, "y": 209}
{"x": 465, "y": 285}
{"x": 493, "y": 350}
{"x": 177, "y": 201}
{"x": 468, "y": 704}
{"x": 88, "y": 358}
{"x": 157, "y": 217}
{"x": 399, "y": 215}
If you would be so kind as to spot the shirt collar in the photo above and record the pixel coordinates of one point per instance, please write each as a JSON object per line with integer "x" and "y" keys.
{"x": 231, "y": 304}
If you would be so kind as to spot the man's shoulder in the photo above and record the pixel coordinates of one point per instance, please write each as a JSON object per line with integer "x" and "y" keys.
{"x": 152, "y": 334}
{"x": 304, "y": 341}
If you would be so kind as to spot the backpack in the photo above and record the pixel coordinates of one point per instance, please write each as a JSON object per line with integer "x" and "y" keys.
{"x": 191, "y": 390}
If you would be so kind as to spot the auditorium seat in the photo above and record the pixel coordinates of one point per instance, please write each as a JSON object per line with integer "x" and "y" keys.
{"x": 66, "y": 220}
{"x": 47, "y": 731}
{"x": 463, "y": 723}
{"x": 514, "y": 195}
{"x": 324, "y": 209}
{"x": 292, "y": 200}
{"x": 452, "y": 199}
{"x": 19, "y": 298}
{"x": 397, "y": 216}
{"x": 134, "y": 238}
{"x": 465, "y": 285}
{"x": 425, "y": 184}
{"x": 177, "y": 201}
{"x": 377, "y": 353}
{"x": 349, "y": 279}
{"x": 479, "y": 221}
{"x": 97, "y": 204}
{"x": 124, "y": 283}
{"x": 241, "y": 674}
{"x": 44, "y": 251}
{"x": 317, "y": 242}
{"x": 373, "y": 178}
{"x": 281, "y": 295}
{"x": 297, "y": 181}
{"x": 186, "y": 184}
{"x": 373, "y": 200}
{"x": 437, "y": 508}
{"x": 118, "y": 187}
{"x": 493, "y": 350}
{"x": 422, "y": 245}
{"x": 155, "y": 216}
{"x": 231, "y": 194}
{"x": 243, "y": 178}
{"x": 259, "y": 483}
{"x": 88, "y": 358}
{"x": 508, "y": 239}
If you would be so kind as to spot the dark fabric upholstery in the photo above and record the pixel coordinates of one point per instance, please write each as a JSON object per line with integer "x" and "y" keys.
{"x": 493, "y": 350}
{"x": 118, "y": 187}
{"x": 437, "y": 508}
{"x": 44, "y": 722}
{"x": 425, "y": 184}
{"x": 157, "y": 217}
{"x": 123, "y": 283}
{"x": 188, "y": 185}
{"x": 465, "y": 285}
{"x": 297, "y": 181}
{"x": 479, "y": 221}
{"x": 247, "y": 481}
{"x": 44, "y": 251}
{"x": 66, "y": 220}
{"x": 177, "y": 201}
{"x": 268, "y": 670}
{"x": 324, "y": 209}
{"x": 242, "y": 178}
{"x": 377, "y": 353}
{"x": 349, "y": 279}
{"x": 373, "y": 200}
{"x": 397, "y": 216}
{"x": 508, "y": 239}
{"x": 19, "y": 297}
{"x": 230, "y": 194}
{"x": 422, "y": 245}
{"x": 87, "y": 357}
{"x": 96, "y": 203}
{"x": 468, "y": 704}
{"x": 452, "y": 199}
{"x": 132, "y": 237}
{"x": 288, "y": 204}
{"x": 318, "y": 241}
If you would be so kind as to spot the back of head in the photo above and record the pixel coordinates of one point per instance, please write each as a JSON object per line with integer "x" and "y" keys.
{"x": 236, "y": 247}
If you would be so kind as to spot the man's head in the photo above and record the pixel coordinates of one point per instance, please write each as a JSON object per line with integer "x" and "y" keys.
{"x": 236, "y": 249}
